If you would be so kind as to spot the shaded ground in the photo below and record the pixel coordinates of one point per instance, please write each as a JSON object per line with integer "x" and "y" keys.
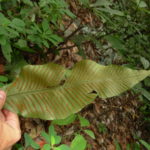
{"x": 113, "y": 119}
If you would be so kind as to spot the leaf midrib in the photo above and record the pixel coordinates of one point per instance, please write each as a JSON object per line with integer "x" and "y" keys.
{"x": 66, "y": 85}
{"x": 52, "y": 88}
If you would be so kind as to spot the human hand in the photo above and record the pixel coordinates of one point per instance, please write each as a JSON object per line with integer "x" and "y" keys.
{"x": 10, "y": 131}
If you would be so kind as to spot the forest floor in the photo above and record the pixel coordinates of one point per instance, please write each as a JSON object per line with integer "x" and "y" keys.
{"x": 110, "y": 119}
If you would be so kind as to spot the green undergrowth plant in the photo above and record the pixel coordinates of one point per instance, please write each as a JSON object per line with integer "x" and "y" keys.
{"x": 79, "y": 142}
{"x": 54, "y": 141}
{"x": 102, "y": 128}
{"x": 84, "y": 123}
{"x": 125, "y": 28}
{"x": 51, "y": 138}
{"x": 57, "y": 92}
{"x": 143, "y": 89}
{"x": 31, "y": 26}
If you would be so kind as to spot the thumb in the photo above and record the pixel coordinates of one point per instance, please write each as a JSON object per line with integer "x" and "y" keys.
{"x": 2, "y": 99}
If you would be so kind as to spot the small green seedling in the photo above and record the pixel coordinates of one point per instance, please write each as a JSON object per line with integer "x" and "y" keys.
{"x": 102, "y": 128}
{"x": 85, "y": 123}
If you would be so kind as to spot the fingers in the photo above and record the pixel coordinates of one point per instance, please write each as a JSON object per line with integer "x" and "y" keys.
{"x": 2, "y": 117}
{"x": 8, "y": 136}
{"x": 9, "y": 148}
{"x": 11, "y": 119}
{"x": 2, "y": 99}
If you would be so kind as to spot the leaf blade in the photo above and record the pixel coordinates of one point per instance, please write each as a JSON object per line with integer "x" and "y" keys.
{"x": 38, "y": 92}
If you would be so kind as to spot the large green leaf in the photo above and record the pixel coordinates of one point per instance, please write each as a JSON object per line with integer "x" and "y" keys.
{"x": 53, "y": 92}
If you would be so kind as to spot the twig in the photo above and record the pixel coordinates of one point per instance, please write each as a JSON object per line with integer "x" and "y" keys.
{"x": 68, "y": 25}
{"x": 72, "y": 34}
{"x": 68, "y": 47}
